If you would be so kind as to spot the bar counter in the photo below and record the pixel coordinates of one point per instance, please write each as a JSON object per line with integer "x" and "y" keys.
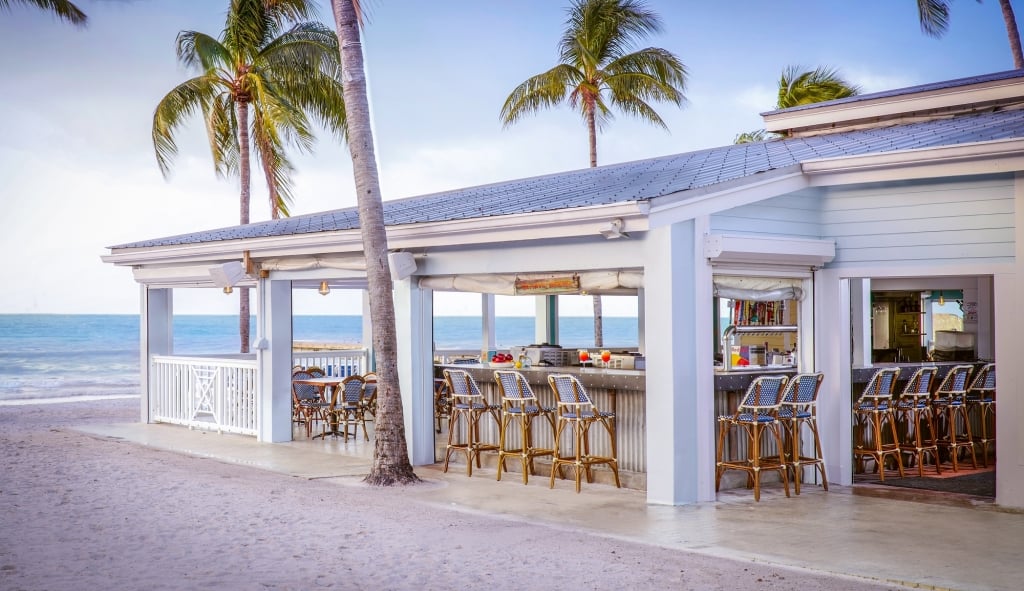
{"x": 622, "y": 391}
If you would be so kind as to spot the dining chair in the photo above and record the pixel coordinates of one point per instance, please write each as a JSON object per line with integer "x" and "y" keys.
{"x": 468, "y": 407}
{"x": 799, "y": 408}
{"x": 872, "y": 414}
{"x": 307, "y": 404}
{"x": 346, "y": 409}
{"x": 442, "y": 401}
{"x": 756, "y": 413}
{"x": 914, "y": 414}
{"x": 520, "y": 405}
{"x": 369, "y": 401}
{"x": 981, "y": 403}
{"x": 950, "y": 407}
{"x": 575, "y": 409}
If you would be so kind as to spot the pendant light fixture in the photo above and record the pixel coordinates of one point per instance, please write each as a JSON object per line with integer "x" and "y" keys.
{"x": 324, "y": 288}
{"x": 228, "y": 290}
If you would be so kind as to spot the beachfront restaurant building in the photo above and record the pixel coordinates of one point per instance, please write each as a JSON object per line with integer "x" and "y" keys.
{"x": 825, "y": 250}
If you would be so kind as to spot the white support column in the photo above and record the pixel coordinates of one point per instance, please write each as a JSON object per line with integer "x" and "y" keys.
{"x": 1008, "y": 289}
{"x": 156, "y": 337}
{"x": 368, "y": 333}
{"x": 414, "y": 329}
{"x": 860, "y": 305}
{"x": 488, "y": 336}
{"x": 680, "y": 378}
{"x": 833, "y": 352}
{"x": 274, "y": 360}
{"x": 986, "y": 313}
{"x": 546, "y": 322}
{"x": 641, "y": 321}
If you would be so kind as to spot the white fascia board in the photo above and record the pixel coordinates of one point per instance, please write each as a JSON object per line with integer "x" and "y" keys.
{"x": 691, "y": 204}
{"x": 578, "y": 221}
{"x": 943, "y": 98}
{"x": 998, "y": 156}
{"x": 182, "y": 276}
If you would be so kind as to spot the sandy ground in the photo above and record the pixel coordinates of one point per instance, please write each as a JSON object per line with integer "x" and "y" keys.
{"x": 79, "y": 512}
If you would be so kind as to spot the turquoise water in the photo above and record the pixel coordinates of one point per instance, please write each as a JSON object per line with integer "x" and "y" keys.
{"x": 57, "y": 355}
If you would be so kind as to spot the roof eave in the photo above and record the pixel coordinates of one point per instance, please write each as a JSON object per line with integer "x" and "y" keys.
{"x": 578, "y": 221}
{"x": 984, "y": 93}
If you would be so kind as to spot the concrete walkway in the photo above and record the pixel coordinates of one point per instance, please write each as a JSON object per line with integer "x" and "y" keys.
{"x": 916, "y": 539}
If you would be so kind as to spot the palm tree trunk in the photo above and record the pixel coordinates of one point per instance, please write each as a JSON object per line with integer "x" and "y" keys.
{"x": 244, "y": 174}
{"x": 598, "y": 312}
{"x": 390, "y": 455}
{"x": 1013, "y": 33}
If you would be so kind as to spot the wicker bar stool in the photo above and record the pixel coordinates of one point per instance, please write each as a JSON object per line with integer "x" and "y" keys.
{"x": 874, "y": 410}
{"x": 981, "y": 402}
{"x": 950, "y": 406}
{"x": 800, "y": 407}
{"x": 756, "y": 413}
{"x": 913, "y": 414}
{"x": 577, "y": 411}
{"x": 520, "y": 404}
{"x": 468, "y": 407}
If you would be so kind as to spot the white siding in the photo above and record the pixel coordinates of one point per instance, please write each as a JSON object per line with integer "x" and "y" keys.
{"x": 969, "y": 220}
{"x": 796, "y": 214}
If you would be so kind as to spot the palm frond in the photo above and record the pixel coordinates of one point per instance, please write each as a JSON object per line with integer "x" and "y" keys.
{"x": 598, "y": 31}
{"x": 201, "y": 52}
{"x": 934, "y": 17}
{"x": 540, "y": 91}
{"x": 62, "y": 9}
{"x": 749, "y": 137}
{"x": 804, "y": 87}
{"x": 221, "y": 122}
{"x": 649, "y": 74}
{"x": 183, "y": 101}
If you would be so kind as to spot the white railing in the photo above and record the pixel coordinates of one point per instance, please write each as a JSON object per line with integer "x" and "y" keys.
{"x": 204, "y": 393}
{"x": 342, "y": 362}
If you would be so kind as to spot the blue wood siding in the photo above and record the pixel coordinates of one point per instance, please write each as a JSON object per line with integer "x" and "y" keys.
{"x": 797, "y": 214}
{"x": 968, "y": 220}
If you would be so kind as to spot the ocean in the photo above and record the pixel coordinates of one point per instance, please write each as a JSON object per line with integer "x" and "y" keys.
{"x": 76, "y": 355}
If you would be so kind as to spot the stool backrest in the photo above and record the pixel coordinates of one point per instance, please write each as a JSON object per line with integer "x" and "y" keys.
{"x": 514, "y": 386}
{"x": 954, "y": 385}
{"x": 462, "y": 385}
{"x": 568, "y": 389}
{"x": 802, "y": 389}
{"x": 880, "y": 387}
{"x": 920, "y": 384}
{"x": 985, "y": 380}
{"x": 764, "y": 393}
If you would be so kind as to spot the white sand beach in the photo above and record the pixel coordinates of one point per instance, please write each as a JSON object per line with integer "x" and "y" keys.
{"x": 83, "y": 512}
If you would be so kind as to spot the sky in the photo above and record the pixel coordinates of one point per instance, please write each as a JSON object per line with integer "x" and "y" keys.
{"x": 79, "y": 173}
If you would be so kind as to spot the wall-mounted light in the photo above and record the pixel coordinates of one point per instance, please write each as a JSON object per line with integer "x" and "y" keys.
{"x": 228, "y": 289}
{"x": 942, "y": 299}
{"x": 324, "y": 288}
{"x": 613, "y": 229}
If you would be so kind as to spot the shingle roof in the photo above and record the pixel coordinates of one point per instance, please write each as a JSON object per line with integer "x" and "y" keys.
{"x": 908, "y": 90}
{"x": 631, "y": 181}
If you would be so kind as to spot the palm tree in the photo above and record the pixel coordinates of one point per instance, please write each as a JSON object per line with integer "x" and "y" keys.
{"x": 596, "y": 71}
{"x": 803, "y": 87}
{"x": 255, "y": 69}
{"x": 390, "y": 453}
{"x": 934, "y": 18}
{"x": 62, "y": 9}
